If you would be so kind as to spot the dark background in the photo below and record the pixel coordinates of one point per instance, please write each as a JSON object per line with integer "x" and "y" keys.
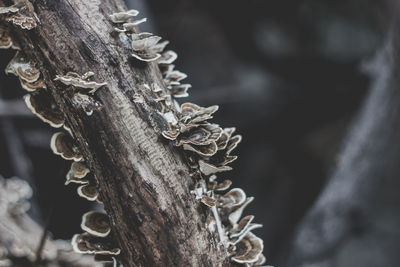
{"x": 287, "y": 74}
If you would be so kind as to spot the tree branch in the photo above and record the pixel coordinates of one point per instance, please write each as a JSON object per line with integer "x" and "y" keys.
{"x": 143, "y": 182}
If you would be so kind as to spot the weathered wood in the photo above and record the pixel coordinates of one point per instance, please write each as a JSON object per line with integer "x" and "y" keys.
{"x": 143, "y": 181}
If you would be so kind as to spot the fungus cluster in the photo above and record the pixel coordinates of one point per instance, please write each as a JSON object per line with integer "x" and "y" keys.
{"x": 80, "y": 82}
{"x": 20, "y": 14}
{"x": 95, "y": 239}
{"x": 209, "y": 151}
{"x": 208, "y": 146}
{"x": 38, "y": 100}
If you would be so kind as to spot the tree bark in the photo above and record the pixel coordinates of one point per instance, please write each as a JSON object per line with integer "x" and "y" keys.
{"x": 143, "y": 181}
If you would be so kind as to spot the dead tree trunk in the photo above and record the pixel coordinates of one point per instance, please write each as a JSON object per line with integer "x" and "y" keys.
{"x": 142, "y": 180}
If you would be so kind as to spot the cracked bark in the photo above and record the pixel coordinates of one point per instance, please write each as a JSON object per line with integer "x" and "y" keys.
{"x": 143, "y": 181}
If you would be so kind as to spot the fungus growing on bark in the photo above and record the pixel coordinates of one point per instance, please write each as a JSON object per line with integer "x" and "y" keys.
{"x": 174, "y": 76}
{"x": 249, "y": 249}
{"x": 202, "y": 135}
{"x": 29, "y": 74}
{"x": 86, "y": 243}
{"x": 22, "y": 21}
{"x": 62, "y": 144}
{"x": 208, "y": 201}
{"x": 8, "y": 9}
{"x": 192, "y": 113}
{"x": 204, "y": 150}
{"x": 5, "y": 38}
{"x": 32, "y": 86}
{"x": 180, "y": 90}
{"x": 168, "y": 57}
{"x": 96, "y": 223}
{"x": 222, "y": 186}
{"x": 70, "y": 178}
{"x": 43, "y": 106}
{"x": 130, "y": 26}
{"x": 87, "y": 103}
{"x": 235, "y": 211}
{"x": 144, "y": 46}
{"x": 243, "y": 227}
{"x": 88, "y": 191}
{"x": 171, "y": 134}
{"x": 79, "y": 169}
{"x": 165, "y": 68}
{"x": 21, "y": 67}
{"x": 207, "y": 168}
{"x": 80, "y": 81}
{"x": 124, "y": 16}
{"x": 233, "y": 198}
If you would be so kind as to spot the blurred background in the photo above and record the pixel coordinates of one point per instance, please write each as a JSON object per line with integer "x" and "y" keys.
{"x": 293, "y": 78}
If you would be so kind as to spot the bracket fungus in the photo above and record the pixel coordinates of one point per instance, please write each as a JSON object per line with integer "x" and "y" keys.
{"x": 130, "y": 27}
{"x": 167, "y": 58}
{"x": 144, "y": 46}
{"x": 96, "y": 223}
{"x": 79, "y": 169}
{"x": 43, "y": 106}
{"x": 24, "y": 69}
{"x": 64, "y": 145}
{"x": 249, "y": 249}
{"x": 124, "y": 16}
{"x": 77, "y": 173}
{"x": 88, "y": 244}
{"x": 8, "y": 9}
{"x": 5, "y": 38}
{"x": 207, "y": 146}
{"x": 23, "y": 21}
{"x": 80, "y": 81}
{"x": 88, "y": 191}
